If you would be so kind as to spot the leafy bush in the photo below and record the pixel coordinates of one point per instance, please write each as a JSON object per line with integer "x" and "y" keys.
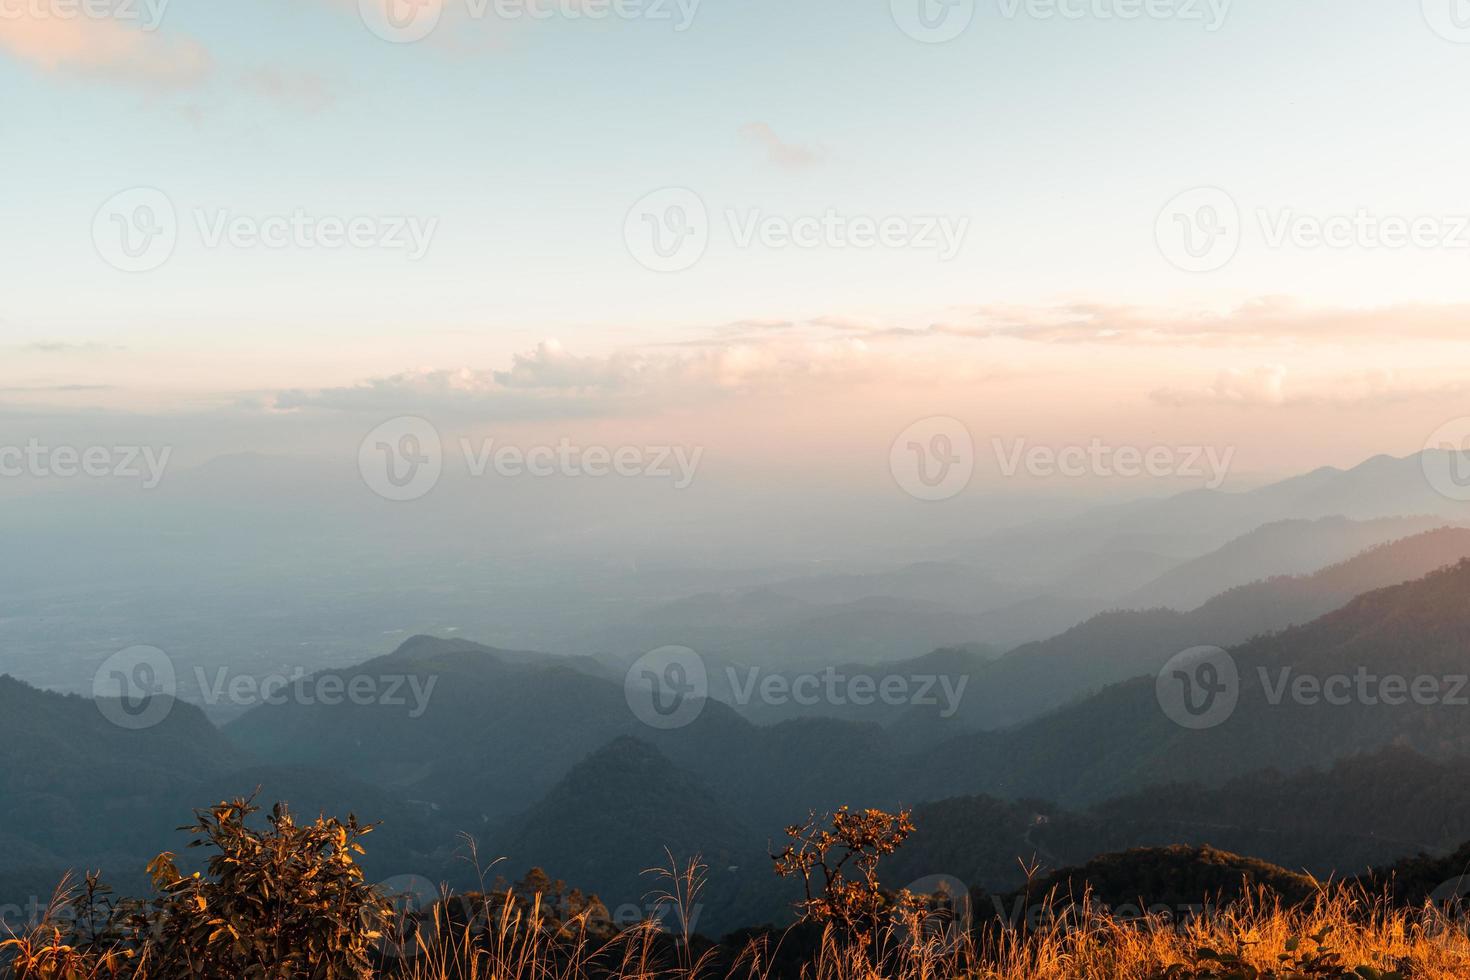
{"x": 287, "y": 901}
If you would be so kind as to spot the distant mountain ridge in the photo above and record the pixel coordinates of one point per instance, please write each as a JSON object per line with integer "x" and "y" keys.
{"x": 1112, "y": 647}
{"x": 1062, "y": 748}
{"x": 1200, "y": 521}
{"x": 1364, "y": 811}
{"x": 1122, "y": 739}
{"x": 1288, "y": 547}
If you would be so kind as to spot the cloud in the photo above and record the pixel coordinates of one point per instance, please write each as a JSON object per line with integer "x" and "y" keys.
{"x": 303, "y": 90}
{"x": 1266, "y": 387}
{"x": 1262, "y": 386}
{"x": 845, "y": 324}
{"x": 63, "y": 347}
{"x": 551, "y": 366}
{"x": 787, "y": 156}
{"x": 107, "y": 49}
{"x": 551, "y": 382}
{"x": 1266, "y": 320}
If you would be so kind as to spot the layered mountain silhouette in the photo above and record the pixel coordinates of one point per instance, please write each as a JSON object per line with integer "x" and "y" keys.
{"x": 1058, "y": 751}
{"x": 1363, "y": 812}
{"x": 1112, "y": 647}
{"x": 1123, "y": 738}
{"x": 1199, "y": 521}
{"x": 496, "y": 736}
{"x": 1291, "y": 547}
{"x": 79, "y": 791}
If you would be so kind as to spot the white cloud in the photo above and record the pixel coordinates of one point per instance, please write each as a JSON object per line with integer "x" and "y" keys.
{"x": 1266, "y": 320}
{"x": 551, "y": 381}
{"x": 787, "y": 156}
{"x": 303, "y": 90}
{"x": 1261, "y": 386}
{"x": 108, "y": 49}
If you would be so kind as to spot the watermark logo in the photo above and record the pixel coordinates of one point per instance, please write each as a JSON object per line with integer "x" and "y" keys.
{"x": 667, "y": 230}
{"x": 1199, "y": 688}
{"x": 1199, "y": 230}
{"x": 401, "y": 21}
{"x": 933, "y": 21}
{"x": 414, "y": 928}
{"x": 1446, "y": 459}
{"x": 667, "y": 688}
{"x": 1450, "y": 19}
{"x": 933, "y": 459}
{"x": 945, "y": 912}
{"x": 402, "y": 459}
{"x": 1452, "y": 898}
{"x": 136, "y": 230}
{"x": 409, "y": 893}
{"x": 135, "y": 688}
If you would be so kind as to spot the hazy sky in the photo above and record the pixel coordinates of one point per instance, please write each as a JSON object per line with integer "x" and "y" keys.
{"x": 1052, "y": 151}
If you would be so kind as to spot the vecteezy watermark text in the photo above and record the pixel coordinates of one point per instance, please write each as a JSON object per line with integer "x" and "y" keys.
{"x": 937, "y": 21}
{"x": 1066, "y": 913}
{"x": 670, "y": 230}
{"x": 408, "y": 21}
{"x": 1363, "y": 229}
{"x": 668, "y": 688}
{"x": 565, "y": 458}
{"x": 403, "y": 459}
{"x": 934, "y": 459}
{"x": 832, "y": 686}
{"x": 1364, "y": 687}
{"x": 147, "y": 14}
{"x": 1211, "y": 14}
{"x": 38, "y": 460}
{"x": 1098, "y": 459}
{"x": 297, "y": 686}
{"x": 1202, "y": 230}
{"x": 138, "y": 230}
{"x": 1202, "y": 687}
{"x": 136, "y": 688}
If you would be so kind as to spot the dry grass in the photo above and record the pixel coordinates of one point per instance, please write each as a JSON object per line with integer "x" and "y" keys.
{"x": 1420, "y": 943}
{"x": 510, "y": 942}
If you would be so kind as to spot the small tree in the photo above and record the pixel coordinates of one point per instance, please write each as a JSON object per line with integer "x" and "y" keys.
{"x": 825, "y": 858}
{"x": 287, "y": 901}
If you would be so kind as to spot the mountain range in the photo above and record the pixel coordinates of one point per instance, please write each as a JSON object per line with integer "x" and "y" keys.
{"x": 1057, "y": 750}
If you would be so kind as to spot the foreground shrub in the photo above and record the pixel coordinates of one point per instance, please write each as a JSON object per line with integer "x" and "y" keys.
{"x": 278, "y": 903}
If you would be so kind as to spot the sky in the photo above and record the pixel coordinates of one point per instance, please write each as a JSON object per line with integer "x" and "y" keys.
{"x": 786, "y": 231}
